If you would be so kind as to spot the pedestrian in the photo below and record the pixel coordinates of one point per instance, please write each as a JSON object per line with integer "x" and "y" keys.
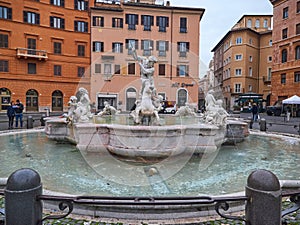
{"x": 254, "y": 112}
{"x": 11, "y": 114}
{"x": 19, "y": 112}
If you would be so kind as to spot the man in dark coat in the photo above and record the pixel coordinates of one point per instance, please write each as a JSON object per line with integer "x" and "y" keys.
{"x": 19, "y": 112}
{"x": 11, "y": 115}
{"x": 254, "y": 112}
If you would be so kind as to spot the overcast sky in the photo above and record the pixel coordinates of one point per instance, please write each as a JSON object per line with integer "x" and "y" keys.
{"x": 220, "y": 16}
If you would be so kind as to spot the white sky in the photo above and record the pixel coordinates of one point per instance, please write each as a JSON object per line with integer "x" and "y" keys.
{"x": 219, "y": 17}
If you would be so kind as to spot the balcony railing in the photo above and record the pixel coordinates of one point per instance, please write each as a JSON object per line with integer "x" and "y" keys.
{"x": 266, "y": 80}
{"x": 32, "y": 53}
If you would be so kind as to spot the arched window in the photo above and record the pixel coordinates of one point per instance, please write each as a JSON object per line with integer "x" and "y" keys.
{"x": 284, "y": 56}
{"x": 5, "y": 98}
{"x": 57, "y": 101}
{"x": 130, "y": 98}
{"x": 182, "y": 97}
{"x": 32, "y": 100}
{"x": 257, "y": 23}
{"x": 249, "y": 23}
{"x": 297, "y": 52}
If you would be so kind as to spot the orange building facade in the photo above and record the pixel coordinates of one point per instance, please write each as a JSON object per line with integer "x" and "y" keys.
{"x": 44, "y": 52}
{"x": 171, "y": 34}
{"x": 243, "y": 60}
{"x": 50, "y": 48}
{"x": 286, "y": 49}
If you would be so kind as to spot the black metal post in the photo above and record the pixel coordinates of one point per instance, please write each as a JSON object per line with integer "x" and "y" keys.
{"x": 264, "y": 199}
{"x": 43, "y": 120}
{"x": 29, "y": 122}
{"x": 263, "y": 124}
{"x": 21, "y": 204}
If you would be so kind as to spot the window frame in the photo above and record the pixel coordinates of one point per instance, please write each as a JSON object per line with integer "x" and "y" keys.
{"x": 57, "y": 69}
{"x": 31, "y": 68}
{"x": 5, "y": 13}
{"x": 183, "y": 25}
{"x": 162, "y": 22}
{"x": 147, "y": 21}
{"x": 3, "y": 40}
{"x": 4, "y": 66}
{"x": 31, "y": 17}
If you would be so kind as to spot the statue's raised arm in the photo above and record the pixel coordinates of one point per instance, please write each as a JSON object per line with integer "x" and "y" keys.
{"x": 133, "y": 52}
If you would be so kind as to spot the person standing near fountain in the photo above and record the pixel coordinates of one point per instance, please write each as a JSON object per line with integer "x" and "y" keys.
{"x": 19, "y": 107}
{"x": 11, "y": 115}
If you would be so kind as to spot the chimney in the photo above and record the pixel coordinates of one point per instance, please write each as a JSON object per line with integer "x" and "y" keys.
{"x": 168, "y": 3}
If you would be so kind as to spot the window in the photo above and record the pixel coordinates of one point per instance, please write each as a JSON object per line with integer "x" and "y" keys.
{"x": 58, "y": 2}
{"x": 239, "y": 40}
{"x": 80, "y": 5}
{"x": 97, "y": 68}
{"x": 298, "y": 28}
{"x": 183, "y": 25}
{"x": 57, "y": 70}
{"x": 117, "y": 47}
{"x": 265, "y": 23}
{"x": 250, "y": 58}
{"x": 5, "y": 13}
{"x": 285, "y": 13}
{"x": 283, "y": 78}
{"x": 270, "y": 58}
{"x": 270, "y": 42}
{"x": 284, "y": 33}
{"x": 80, "y": 26}
{"x": 131, "y": 68}
{"x": 238, "y": 57}
{"x": 297, "y": 77}
{"x": 3, "y": 66}
{"x": 3, "y": 41}
{"x": 117, "y": 69}
{"x": 80, "y": 71}
{"x": 117, "y": 22}
{"x": 31, "y": 17}
{"x": 107, "y": 69}
{"x": 98, "y": 21}
{"x": 249, "y": 23}
{"x": 257, "y": 23}
{"x": 250, "y": 41}
{"x": 57, "y": 48}
{"x": 147, "y": 46}
{"x": 297, "y": 52}
{"x": 183, "y": 48}
{"x": 269, "y": 74}
{"x": 237, "y": 88}
{"x": 162, "y": 47}
{"x": 182, "y": 70}
{"x": 238, "y": 72}
{"x": 298, "y": 7}
{"x": 31, "y": 68}
{"x": 31, "y": 45}
{"x": 162, "y": 22}
{"x": 161, "y": 69}
{"x": 56, "y": 22}
{"x": 250, "y": 71}
{"x": 250, "y": 88}
{"x": 284, "y": 56}
{"x": 131, "y": 43}
{"x": 132, "y": 20}
{"x": 98, "y": 46}
{"x": 147, "y": 21}
{"x": 80, "y": 50}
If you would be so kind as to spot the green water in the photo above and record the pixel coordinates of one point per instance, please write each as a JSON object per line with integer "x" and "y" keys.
{"x": 63, "y": 168}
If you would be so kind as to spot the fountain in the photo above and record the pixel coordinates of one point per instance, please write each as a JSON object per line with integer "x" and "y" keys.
{"x": 144, "y": 136}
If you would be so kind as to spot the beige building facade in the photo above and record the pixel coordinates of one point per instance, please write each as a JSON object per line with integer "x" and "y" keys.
{"x": 243, "y": 60}
{"x": 171, "y": 34}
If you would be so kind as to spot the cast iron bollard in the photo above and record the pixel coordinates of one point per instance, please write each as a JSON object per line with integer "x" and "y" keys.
{"x": 263, "y": 124}
{"x": 264, "y": 194}
{"x": 29, "y": 122}
{"x": 21, "y": 205}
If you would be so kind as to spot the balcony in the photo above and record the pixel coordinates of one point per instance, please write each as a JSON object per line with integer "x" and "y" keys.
{"x": 266, "y": 80}
{"x": 32, "y": 54}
